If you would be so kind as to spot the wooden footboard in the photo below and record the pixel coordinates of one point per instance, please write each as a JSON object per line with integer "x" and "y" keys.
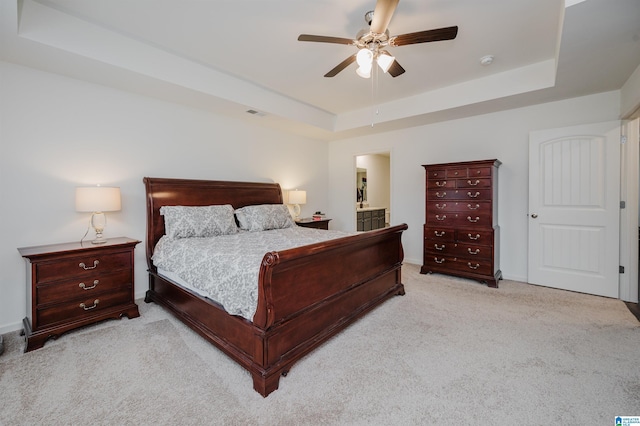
{"x": 308, "y": 294}
{"x": 305, "y": 295}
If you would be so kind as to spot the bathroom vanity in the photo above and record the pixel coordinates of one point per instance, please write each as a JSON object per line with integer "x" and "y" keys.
{"x": 369, "y": 218}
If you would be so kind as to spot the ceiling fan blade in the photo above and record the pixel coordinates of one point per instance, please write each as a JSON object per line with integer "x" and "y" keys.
{"x": 395, "y": 69}
{"x": 440, "y": 34}
{"x": 325, "y": 39}
{"x": 342, "y": 65}
{"x": 382, "y": 15}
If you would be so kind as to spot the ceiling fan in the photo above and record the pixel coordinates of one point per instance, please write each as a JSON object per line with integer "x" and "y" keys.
{"x": 371, "y": 44}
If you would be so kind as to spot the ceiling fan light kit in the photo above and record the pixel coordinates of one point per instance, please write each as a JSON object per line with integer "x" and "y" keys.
{"x": 371, "y": 43}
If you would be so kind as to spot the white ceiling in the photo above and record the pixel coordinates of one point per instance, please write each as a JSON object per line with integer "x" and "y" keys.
{"x": 229, "y": 56}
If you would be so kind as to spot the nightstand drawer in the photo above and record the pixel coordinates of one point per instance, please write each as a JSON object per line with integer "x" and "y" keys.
{"x": 70, "y": 311}
{"x": 72, "y": 289}
{"x": 82, "y": 265}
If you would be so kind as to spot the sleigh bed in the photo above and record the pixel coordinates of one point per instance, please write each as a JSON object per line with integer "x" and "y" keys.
{"x": 305, "y": 295}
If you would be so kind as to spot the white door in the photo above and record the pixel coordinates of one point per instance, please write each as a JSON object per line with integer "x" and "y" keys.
{"x": 574, "y": 201}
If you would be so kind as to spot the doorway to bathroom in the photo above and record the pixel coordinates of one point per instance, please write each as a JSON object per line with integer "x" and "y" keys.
{"x": 372, "y": 191}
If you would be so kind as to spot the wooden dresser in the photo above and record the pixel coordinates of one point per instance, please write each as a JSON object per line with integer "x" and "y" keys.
{"x": 461, "y": 232}
{"x": 71, "y": 285}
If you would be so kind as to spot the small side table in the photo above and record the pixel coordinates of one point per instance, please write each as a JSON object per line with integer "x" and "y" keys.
{"x": 75, "y": 284}
{"x": 309, "y": 222}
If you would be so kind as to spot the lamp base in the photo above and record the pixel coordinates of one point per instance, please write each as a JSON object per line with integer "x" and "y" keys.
{"x": 99, "y": 238}
{"x": 99, "y": 221}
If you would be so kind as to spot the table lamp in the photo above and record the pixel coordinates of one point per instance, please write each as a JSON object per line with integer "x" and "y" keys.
{"x": 97, "y": 200}
{"x": 296, "y": 198}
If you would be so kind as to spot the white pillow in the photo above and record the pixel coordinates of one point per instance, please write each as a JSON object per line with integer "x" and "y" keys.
{"x": 198, "y": 221}
{"x": 264, "y": 217}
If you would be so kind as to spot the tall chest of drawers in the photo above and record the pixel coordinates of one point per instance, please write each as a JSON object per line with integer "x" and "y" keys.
{"x": 461, "y": 232}
{"x": 72, "y": 284}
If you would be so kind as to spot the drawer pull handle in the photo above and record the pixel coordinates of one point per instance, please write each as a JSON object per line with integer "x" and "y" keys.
{"x": 476, "y": 266}
{"x": 84, "y": 287}
{"x": 471, "y": 237}
{"x": 473, "y": 183}
{"x": 443, "y": 217}
{"x": 472, "y": 220}
{"x": 439, "y": 195}
{"x": 439, "y": 247}
{"x": 438, "y": 261}
{"x": 439, "y": 234}
{"x": 443, "y": 183}
{"x": 472, "y": 207}
{"x": 473, "y": 252}
{"x": 473, "y": 195}
{"x": 441, "y": 206}
{"x": 456, "y": 173}
{"x": 86, "y": 268}
{"x": 86, "y": 308}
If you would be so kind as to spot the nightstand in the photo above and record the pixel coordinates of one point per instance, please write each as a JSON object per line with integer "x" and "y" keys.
{"x": 72, "y": 285}
{"x": 310, "y": 223}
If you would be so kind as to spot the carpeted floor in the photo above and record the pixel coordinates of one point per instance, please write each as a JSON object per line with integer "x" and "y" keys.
{"x": 450, "y": 351}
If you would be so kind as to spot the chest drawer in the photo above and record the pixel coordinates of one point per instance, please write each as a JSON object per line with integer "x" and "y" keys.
{"x": 473, "y": 183}
{"x": 477, "y": 237}
{"x": 81, "y": 266}
{"x": 437, "y": 174}
{"x": 480, "y": 207}
{"x": 459, "y": 194}
{"x": 81, "y": 309}
{"x": 72, "y": 289}
{"x": 474, "y": 172}
{"x": 441, "y": 183}
{"x": 458, "y": 219}
{"x": 473, "y": 251}
{"x": 439, "y": 234}
{"x": 444, "y": 263}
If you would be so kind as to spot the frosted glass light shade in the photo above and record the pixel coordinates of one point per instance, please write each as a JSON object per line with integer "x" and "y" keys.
{"x": 364, "y": 72}
{"x": 385, "y": 61}
{"x": 98, "y": 199}
{"x": 364, "y": 57}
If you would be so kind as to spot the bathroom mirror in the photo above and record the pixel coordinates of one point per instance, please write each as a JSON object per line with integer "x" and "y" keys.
{"x": 361, "y": 185}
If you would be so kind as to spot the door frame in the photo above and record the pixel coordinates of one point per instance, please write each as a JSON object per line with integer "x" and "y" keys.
{"x": 629, "y": 192}
{"x": 388, "y": 152}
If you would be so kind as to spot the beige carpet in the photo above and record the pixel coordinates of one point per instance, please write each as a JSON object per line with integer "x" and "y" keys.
{"x": 450, "y": 351}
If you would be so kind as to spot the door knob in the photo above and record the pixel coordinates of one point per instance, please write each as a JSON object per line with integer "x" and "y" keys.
{"x": 534, "y": 215}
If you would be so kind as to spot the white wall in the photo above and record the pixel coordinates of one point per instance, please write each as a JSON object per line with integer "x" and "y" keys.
{"x": 501, "y": 135}
{"x": 57, "y": 133}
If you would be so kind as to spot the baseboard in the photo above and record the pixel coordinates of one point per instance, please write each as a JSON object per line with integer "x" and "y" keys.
{"x": 9, "y": 328}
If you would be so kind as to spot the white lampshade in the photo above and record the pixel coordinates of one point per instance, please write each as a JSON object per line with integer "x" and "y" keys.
{"x": 98, "y": 199}
{"x": 297, "y": 197}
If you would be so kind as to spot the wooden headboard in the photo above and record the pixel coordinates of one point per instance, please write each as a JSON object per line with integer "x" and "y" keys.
{"x": 189, "y": 192}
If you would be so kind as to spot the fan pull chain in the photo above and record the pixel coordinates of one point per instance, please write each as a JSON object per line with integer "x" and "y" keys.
{"x": 374, "y": 95}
